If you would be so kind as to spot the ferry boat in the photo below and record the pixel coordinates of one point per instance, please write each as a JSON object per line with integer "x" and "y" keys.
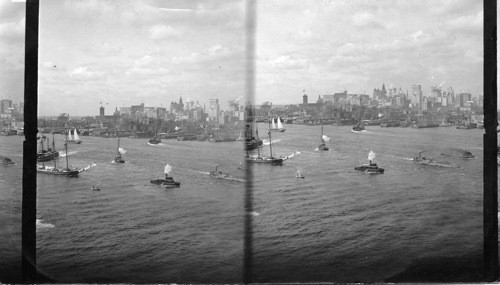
{"x": 425, "y": 161}
{"x": 220, "y": 175}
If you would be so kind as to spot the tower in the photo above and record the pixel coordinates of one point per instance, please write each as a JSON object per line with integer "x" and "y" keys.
{"x": 304, "y": 99}
{"x": 101, "y": 111}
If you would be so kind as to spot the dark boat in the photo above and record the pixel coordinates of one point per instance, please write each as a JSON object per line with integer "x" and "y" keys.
{"x": 358, "y": 128}
{"x": 6, "y": 160}
{"x": 49, "y": 154}
{"x": 168, "y": 181}
{"x": 71, "y": 172}
{"x": 371, "y": 168}
{"x": 458, "y": 153}
{"x": 269, "y": 159}
{"x": 118, "y": 156}
{"x": 322, "y": 145}
{"x": 220, "y": 175}
{"x": 425, "y": 161}
{"x": 251, "y": 142}
{"x": 154, "y": 140}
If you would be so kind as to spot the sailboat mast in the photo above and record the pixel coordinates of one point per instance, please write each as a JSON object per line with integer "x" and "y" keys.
{"x": 53, "y": 142}
{"x": 270, "y": 141}
{"x": 257, "y": 135}
{"x": 66, "y": 148}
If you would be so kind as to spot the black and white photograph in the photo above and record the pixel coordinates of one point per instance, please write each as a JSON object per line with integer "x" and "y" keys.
{"x": 240, "y": 141}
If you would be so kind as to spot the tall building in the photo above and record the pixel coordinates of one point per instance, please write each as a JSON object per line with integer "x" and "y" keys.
{"x": 101, "y": 111}
{"x": 416, "y": 96}
{"x": 304, "y": 99}
{"x": 214, "y": 110}
{"x": 464, "y": 97}
{"x": 5, "y": 106}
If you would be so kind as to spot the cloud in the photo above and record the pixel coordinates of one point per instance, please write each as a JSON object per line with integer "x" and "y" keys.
{"x": 367, "y": 20}
{"x": 82, "y": 73}
{"x": 13, "y": 30}
{"x": 288, "y": 62}
{"x": 159, "y": 32}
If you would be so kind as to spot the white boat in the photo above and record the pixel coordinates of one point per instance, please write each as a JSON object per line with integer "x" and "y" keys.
{"x": 73, "y": 139}
{"x": 278, "y": 127}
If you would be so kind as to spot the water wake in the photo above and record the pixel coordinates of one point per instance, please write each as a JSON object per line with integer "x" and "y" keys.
{"x": 88, "y": 167}
{"x": 158, "y": 144}
{"x": 69, "y": 153}
{"x": 266, "y": 142}
{"x": 292, "y": 155}
{"x": 40, "y": 225}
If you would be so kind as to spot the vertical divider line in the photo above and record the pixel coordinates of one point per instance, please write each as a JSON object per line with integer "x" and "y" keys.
{"x": 490, "y": 145}
{"x": 250, "y": 97}
{"x": 28, "y": 240}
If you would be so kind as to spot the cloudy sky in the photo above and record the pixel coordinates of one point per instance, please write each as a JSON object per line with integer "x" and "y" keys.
{"x": 120, "y": 53}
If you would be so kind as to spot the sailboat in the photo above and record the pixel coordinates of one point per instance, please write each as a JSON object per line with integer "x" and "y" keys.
{"x": 155, "y": 139}
{"x": 268, "y": 159}
{"x": 73, "y": 139}
{"x": 49, "y": 154}
{"x": 278, "y": 127}
{"x": 118, "y": 156}
{"x": 322, "y": 145}
{"x": 71, "y": 172}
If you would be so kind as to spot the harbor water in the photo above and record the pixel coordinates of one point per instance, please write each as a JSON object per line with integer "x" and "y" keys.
{"x": 336, "y": 224}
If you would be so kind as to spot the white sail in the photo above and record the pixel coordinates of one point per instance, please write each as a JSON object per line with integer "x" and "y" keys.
{"x": 273, "y": 126}
{"x": 77, "y": 138}
{"x": 280, "y": 125}
{"x": 70, "y": 137}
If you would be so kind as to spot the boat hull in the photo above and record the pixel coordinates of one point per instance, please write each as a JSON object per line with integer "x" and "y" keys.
{"x": 59, "y": 172}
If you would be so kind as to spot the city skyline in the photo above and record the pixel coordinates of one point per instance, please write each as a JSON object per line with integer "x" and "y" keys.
{"x": 128, "y": 52}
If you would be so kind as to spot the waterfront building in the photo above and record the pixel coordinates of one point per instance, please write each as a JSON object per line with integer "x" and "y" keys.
{"x": 137, "y": 109}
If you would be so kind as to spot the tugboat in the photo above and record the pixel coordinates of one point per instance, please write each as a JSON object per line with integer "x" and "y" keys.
{"x": 49, "y": 154}
{"x": 252, "y": 142}
{"x": 322, "y": 145}
{"x": 370, "y": 168}
{"x": 358, "y": 128}
{"x": 118, "y": 156}
{"x": 167, "y": 182}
